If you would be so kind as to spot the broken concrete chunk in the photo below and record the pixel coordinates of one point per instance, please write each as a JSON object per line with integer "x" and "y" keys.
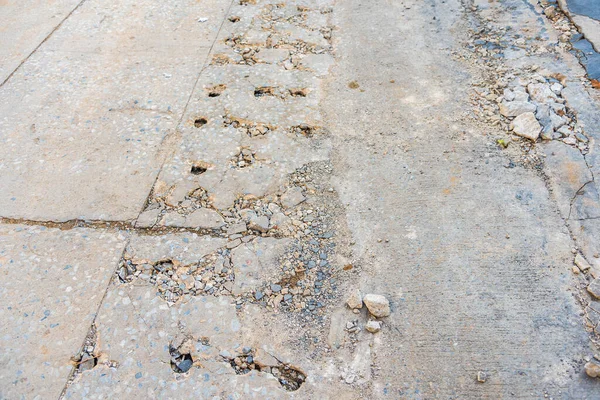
{"x": 377, "y": 305}
{"x": 592, "y": 368}
{"x": 292, "y": 197}
{"x": 204, "y": 218}
{"x": 594, "y": 288}
{"x": 174, "y": 219}
{"x": 541, "y": 92}
{"x": 527, "y": 126}
{"x": 148, "y": 218}
{"x": 515, "y": 108}
{"x": 237, "y": 228}
{"x": 373, "y": 326}
{"x": 582, "y": 263}
{"x": 355, "y": 299}
{"x": 260, "y": 224}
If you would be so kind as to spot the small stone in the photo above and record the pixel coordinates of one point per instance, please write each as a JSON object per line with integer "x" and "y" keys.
{"x": 592, "y": 368}
{"x": 481, "y": 377}
{"x": 373, "y": 326}
{"x": 377, "y": 305}
{"x": 556, "y": 88}
{"x": 527, "y": 126}
{"x": 258, "y": 295}
{"x": 582, "y": 263}
{"x": 292, "y": 197}
{"x": 594, "y": 288}
{"x": 185, "y": 365}
{"x": 260, "y": 224}
{"x": 275, "y": 287}
{"x": 355, "y": 299}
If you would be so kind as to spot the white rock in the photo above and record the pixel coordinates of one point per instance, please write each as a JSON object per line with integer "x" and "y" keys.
{"x": 515, "y": 108}
{"x": 527, "y": 126}
{"x": 377, "y": 305}
{"x": 373, "y": 326}
{"x": 556, "y": 88}
{"x": 355, "y": 299}
{"x": 541, "y": 93}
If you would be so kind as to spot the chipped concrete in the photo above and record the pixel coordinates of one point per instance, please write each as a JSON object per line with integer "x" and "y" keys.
{"x": 226, "y": 178}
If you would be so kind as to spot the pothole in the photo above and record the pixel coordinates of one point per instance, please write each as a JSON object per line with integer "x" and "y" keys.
{"x": 307, "y": 130}
{"x": 211, "y": 275}
{"x": 290, "y": 378}
{"x": 298, "y": 92}
{"x": 216, "y": 91}
{"x": 245, "y": 158}
{"x": 251, "y": 128}
{"x": 87, "y": 360}
{"x": 199, "y": 168}
{"x": 264, "y": 91}
{"x": 181, "y": 362}
{"x": 200, "y": 122}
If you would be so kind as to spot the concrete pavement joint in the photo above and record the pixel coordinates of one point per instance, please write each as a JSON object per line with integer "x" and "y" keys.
{"x": 42, "y": 42}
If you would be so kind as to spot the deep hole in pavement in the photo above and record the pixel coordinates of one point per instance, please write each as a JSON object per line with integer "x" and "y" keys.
{"x": 180, "y": 362}
{"x": 199, "y": 122}
{"x": 299, "y": 92}
{"x": 216, "y": 91}
{"x": 198, "y": 169}
{"x": 264, "y": 91}
{"x": 289, "y": 377}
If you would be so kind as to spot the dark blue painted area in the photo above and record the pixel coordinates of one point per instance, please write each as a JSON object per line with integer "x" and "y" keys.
{"x": 587, "y": 56}
{"x": 588, "y": 8}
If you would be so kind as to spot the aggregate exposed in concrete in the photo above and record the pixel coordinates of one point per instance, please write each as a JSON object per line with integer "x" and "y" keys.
{"x": 191, "y": 191}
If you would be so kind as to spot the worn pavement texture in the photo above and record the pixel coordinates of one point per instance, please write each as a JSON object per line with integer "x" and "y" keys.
{"x": 310, "y": 199}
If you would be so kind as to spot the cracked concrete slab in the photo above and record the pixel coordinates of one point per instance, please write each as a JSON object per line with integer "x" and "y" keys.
{"x": 25, "y": 25}
{"x": 96, "y": 102}
{"x": 53, "y": 282}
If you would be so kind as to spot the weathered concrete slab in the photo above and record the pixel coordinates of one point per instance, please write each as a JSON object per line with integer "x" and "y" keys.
{"x": 52, "y": 284}
{"x": 83, "y": 119}
{"x": 432, "y": 208}
{"x": 25, "y": 24}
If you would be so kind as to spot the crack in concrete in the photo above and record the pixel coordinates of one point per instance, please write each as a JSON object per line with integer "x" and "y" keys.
{"x": 42, "y": 42}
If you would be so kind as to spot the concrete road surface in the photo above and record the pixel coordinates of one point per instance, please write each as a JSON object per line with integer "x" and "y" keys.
{"x": 312, "y": 199}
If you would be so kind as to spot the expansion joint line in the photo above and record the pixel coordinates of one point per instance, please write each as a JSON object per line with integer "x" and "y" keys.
{"x": 42, "y": 42}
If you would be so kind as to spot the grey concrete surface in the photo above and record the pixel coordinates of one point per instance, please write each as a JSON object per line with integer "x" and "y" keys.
{"x": 25, "y": 26}
{"x": 53, "y": 282}
{"x": 84, "y": 118}
{"x": 191, "y": 192}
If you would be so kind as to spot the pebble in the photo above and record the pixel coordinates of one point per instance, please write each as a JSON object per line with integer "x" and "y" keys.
{"x": 377, "y": 305}
{"x": 594, "y": 288}
{"x": 582, "y": 263}
{"x": 481, "y": 377}
{"x": 373, "y": 326}
{"x": 592, "y": 368}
